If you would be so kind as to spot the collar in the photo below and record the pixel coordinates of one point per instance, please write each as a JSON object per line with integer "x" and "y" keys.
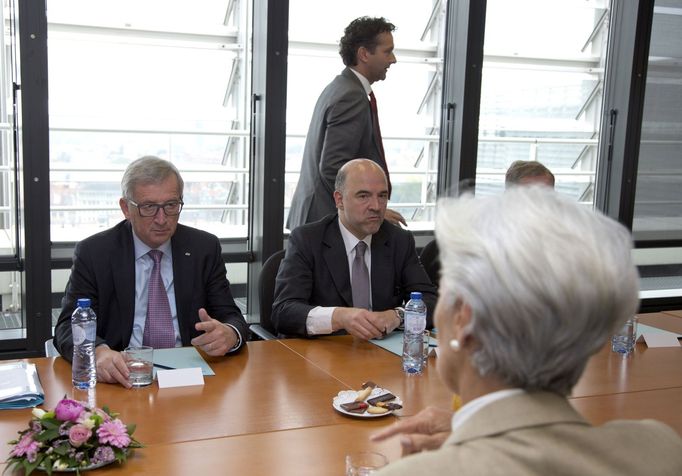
{"x": 477, "y": 404}
{"x": 518, "y": 411}
{"x": 364, "y": 81}
{"x": 142, "y": 248}
{"x": 350, "y": 240}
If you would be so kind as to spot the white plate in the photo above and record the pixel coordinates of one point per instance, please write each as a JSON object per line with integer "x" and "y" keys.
{"x": 347, "y": 396}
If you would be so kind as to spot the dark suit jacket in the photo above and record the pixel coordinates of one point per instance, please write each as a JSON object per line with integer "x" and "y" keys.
{"x": 315, "y": 272}
{"x": 104, "y": 271}
{"x": 340, "y": 130}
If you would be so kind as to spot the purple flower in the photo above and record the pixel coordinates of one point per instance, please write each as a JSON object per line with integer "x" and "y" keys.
{"x": 115, "y": 433}
{"x": 64, "y": 428}
{"x": 79, "y": 434}
{"x": 68, "y": 410}
{"x": 27, "y": 446}
{"x": 103, "y": 454}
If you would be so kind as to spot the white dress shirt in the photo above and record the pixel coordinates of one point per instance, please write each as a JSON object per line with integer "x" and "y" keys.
{"x": 319, "y": 320}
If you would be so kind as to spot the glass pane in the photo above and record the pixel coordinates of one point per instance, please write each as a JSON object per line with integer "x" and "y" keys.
{"x": 127, "y": 82}
{"x": 541, "y": 91}
{"x": 12, "y": 319}
{"x": 658, "y": 200}
{"x": 408, "y": 100}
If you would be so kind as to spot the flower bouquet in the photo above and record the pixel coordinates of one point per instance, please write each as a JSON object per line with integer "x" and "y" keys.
{"x": 72, "y": 437}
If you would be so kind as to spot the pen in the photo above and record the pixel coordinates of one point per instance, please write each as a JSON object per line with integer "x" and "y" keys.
{"x": 164, "y": 367}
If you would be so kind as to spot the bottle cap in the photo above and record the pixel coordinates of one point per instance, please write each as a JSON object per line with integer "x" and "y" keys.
{"x": 415, "y": 295}
{"x": 83, "y": 302}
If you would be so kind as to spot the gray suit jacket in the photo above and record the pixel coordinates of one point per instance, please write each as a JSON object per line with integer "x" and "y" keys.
{"x": 104, "y": 271}
{"x": 340, "y": 130}
{"x": 541, "y": 434}
{"x": 315, "y": 272}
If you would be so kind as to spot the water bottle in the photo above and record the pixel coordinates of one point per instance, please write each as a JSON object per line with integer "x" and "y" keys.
{"x": 623, "y": 341}
{"x": 413, "y": 341}
{"x": 83, "y": 330}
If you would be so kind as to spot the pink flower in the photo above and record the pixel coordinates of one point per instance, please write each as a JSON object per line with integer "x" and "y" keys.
{"x": 68, "y": 410}
{"x": 79, "y": 434}
{"x": 27, "y": 446}
{"x": 115, "y": 433}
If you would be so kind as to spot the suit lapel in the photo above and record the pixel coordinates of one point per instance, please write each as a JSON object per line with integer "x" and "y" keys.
{"x": 183, "y": 281}
{"x": 382, "y": 270}
{"x": 122, "y": 265}
{"x": 334, "y": 254}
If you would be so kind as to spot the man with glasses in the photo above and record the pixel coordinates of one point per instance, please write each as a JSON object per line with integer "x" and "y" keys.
{"x": 151, "y": 280}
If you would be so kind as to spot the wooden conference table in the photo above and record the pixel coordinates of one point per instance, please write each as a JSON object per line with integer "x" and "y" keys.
{"x": 268, "y": 410}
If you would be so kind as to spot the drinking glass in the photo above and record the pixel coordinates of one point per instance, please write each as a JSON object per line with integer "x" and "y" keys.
{"x": 140, "y": 362}
{"x": 364, "y": 463}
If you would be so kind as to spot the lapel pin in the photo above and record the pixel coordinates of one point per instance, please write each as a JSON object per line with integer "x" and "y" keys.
{"x": 188, "y": 253}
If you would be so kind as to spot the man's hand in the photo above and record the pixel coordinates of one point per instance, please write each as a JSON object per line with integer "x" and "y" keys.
{"x": 394, "y": 217}
{"x": 217, "y": 339}
{"x": 363, "y": 323}
{"x": 111, "y": 367}
{"x": 427, "y": 430}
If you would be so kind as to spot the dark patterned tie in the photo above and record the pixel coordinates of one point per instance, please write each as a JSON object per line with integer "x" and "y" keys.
{"x": 360, "y": 277}
{"x": 377, "y": 137}
{"x": 158, "y": 328}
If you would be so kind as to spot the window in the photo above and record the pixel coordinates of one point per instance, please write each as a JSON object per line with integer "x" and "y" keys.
{"x": 127, "y": 82}
{"x": 408, "y": 100}
{"x": 541, "y": 91}
{"x": 658, "y": 200}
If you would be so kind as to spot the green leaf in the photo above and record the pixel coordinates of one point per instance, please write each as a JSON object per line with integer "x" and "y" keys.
{"x": 47, "y": 435}
{"x": 131, "y": 428}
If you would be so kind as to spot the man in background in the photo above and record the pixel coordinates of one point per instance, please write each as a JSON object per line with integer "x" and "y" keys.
{"x": 350, "y": 272}
{"x": 151, "y": 281}
{"x": 527, "y": 172}
{"x": 345, "y": 123}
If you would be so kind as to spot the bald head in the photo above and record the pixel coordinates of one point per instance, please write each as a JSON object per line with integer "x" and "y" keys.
{"x": 361, "y": 196}
{"x": 355, "y": 167}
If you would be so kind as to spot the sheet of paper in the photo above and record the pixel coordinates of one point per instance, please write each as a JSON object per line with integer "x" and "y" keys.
{"x": 180, "y": 377}
{"x": 182, "y": 358}
{"x": 656, "y": 339}
{"x": 392, "y": 342}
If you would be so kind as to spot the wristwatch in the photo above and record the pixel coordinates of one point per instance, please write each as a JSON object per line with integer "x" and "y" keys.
{"x": 400, "y": 312}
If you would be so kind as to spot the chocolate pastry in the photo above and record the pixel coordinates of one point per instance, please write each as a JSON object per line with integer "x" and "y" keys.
{"x": 355, "y": 407}
{"x": 381, "y": 398}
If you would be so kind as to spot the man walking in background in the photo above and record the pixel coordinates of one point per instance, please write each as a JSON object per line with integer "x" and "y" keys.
{"x": 345, "y": 123}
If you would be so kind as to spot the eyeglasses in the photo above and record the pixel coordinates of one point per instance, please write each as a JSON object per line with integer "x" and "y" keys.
{"x": 171, "y": 208}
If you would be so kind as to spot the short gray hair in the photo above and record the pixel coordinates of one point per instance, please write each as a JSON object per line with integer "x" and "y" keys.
{"x": 148, "y": 170}
{"x": 547, "y": 280}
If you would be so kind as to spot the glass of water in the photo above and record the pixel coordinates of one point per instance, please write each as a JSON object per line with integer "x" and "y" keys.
{"x": 364, "y": 463}
{"x": 140, "y": 362}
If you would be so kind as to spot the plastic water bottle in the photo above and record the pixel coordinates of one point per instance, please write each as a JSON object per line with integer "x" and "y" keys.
{"x": 84, "y": 330}
{"x": 623, "y": 341}
{"x": 413, "y": 341}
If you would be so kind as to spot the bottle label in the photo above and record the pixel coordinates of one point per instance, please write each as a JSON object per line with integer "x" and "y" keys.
{"x": 415, "y": 322}
{"x": 79, "y": 335}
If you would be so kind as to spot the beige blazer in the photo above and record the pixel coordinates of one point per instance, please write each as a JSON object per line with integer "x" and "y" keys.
{"x": 541, "y": 434}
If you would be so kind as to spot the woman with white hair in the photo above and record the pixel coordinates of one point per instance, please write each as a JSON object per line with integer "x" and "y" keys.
{"x": 532, "y": 284}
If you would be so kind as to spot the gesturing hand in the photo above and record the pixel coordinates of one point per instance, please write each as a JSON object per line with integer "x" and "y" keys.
{"x": 217, "y": 339}
{"x": 427, "y": 430}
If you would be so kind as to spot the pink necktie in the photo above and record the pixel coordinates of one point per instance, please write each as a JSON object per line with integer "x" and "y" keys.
{"x": 377, "y": 137}
{"x": 158, "y": 328}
